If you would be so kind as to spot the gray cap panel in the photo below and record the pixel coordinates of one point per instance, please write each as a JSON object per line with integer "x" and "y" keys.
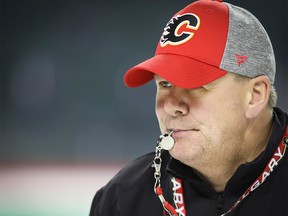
{"x": 248, "y": 50}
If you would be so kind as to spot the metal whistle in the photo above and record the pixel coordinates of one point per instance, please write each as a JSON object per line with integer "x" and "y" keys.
{"x": 166, "y": 141}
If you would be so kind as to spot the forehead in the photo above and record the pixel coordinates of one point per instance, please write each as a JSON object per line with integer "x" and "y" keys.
{"x": 220, "y": 81}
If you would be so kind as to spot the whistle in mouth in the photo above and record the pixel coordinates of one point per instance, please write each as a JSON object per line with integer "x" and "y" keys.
{"x": 167, "y": 142}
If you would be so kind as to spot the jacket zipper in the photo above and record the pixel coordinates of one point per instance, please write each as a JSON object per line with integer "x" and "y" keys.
{"x": 220, "y": 204}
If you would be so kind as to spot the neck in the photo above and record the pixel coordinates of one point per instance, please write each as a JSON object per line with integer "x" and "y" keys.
{"x": 217, "y": 178}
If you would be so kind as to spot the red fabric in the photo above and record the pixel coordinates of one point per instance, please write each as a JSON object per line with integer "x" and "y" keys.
{"x": 195, "y": 60}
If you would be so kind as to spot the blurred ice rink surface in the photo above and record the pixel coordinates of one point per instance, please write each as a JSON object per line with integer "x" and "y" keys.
{"x": 51, "y": 189}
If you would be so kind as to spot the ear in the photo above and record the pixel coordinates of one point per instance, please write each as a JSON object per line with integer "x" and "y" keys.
{"x": 260, "y": 93}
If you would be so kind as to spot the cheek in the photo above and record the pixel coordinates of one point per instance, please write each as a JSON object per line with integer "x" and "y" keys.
{"x": 160, "y": 113}
{"x": 218, "y": 115}
{"x": 159, "y": 106}
{"x": 225, "y": 121}
{"x": 226, "y": 107}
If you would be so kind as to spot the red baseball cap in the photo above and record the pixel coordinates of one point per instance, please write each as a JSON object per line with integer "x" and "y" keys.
{"x": 204, "y": 41}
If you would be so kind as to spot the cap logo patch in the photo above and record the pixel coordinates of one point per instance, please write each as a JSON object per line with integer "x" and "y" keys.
{"x": 240, "y": 59}
{"x": 180, "y": 29}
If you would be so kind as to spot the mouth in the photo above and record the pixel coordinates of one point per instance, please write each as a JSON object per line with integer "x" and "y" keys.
{"x": 176, "y": 130}
{"x": 177, "y": 133}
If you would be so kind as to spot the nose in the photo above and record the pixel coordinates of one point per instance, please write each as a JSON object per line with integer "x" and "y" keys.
{"x": 175, "y": 103}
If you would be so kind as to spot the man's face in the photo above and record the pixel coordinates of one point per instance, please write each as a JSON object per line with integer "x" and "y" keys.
{"x": 208, "y": 123}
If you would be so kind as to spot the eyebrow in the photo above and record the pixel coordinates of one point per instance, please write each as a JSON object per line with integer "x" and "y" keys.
{"x": 159, "y": 77}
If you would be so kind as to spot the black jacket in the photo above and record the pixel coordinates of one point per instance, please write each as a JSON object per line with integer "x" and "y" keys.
{"x": 130, "y": 192}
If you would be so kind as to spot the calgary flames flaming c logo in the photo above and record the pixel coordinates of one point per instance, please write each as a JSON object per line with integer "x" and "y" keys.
{"x": 180, "y": 29}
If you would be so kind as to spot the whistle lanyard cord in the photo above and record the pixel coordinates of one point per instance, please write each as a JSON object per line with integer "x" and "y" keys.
{"x": 180, "y": 209}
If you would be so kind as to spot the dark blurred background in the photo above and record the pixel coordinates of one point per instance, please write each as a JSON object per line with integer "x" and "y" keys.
{"x": 67, "y": 121}
{"x": 62, "y": 66}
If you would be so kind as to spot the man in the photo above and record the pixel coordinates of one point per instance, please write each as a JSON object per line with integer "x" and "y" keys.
{"x": 214, "y": 70}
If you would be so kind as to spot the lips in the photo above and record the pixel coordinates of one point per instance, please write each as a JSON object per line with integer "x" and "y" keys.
{"x": 182, "y": 130}
{"x": 177, "y": 133}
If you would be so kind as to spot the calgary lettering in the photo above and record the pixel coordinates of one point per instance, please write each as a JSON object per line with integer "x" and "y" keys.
{"x": 178, "y": 196}
{"x": 273, "y": 163}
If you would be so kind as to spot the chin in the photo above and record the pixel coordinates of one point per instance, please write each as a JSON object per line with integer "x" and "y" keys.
{"x": 187, "y": 156}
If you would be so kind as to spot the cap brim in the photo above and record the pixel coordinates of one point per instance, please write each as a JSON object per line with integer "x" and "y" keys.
{"x": 181, "y": 71}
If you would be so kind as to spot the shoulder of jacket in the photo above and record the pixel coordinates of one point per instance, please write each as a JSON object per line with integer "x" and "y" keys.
{"x": 137, "y": 173}
{"x": 135, "y": 178}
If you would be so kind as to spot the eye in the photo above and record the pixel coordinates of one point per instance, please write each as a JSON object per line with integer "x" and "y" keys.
{"x": 164, "y": 84}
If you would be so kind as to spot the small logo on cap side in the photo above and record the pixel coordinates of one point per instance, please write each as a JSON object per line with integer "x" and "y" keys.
{"x": 180, "y": 29}
{"x": 241, "y": 59}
